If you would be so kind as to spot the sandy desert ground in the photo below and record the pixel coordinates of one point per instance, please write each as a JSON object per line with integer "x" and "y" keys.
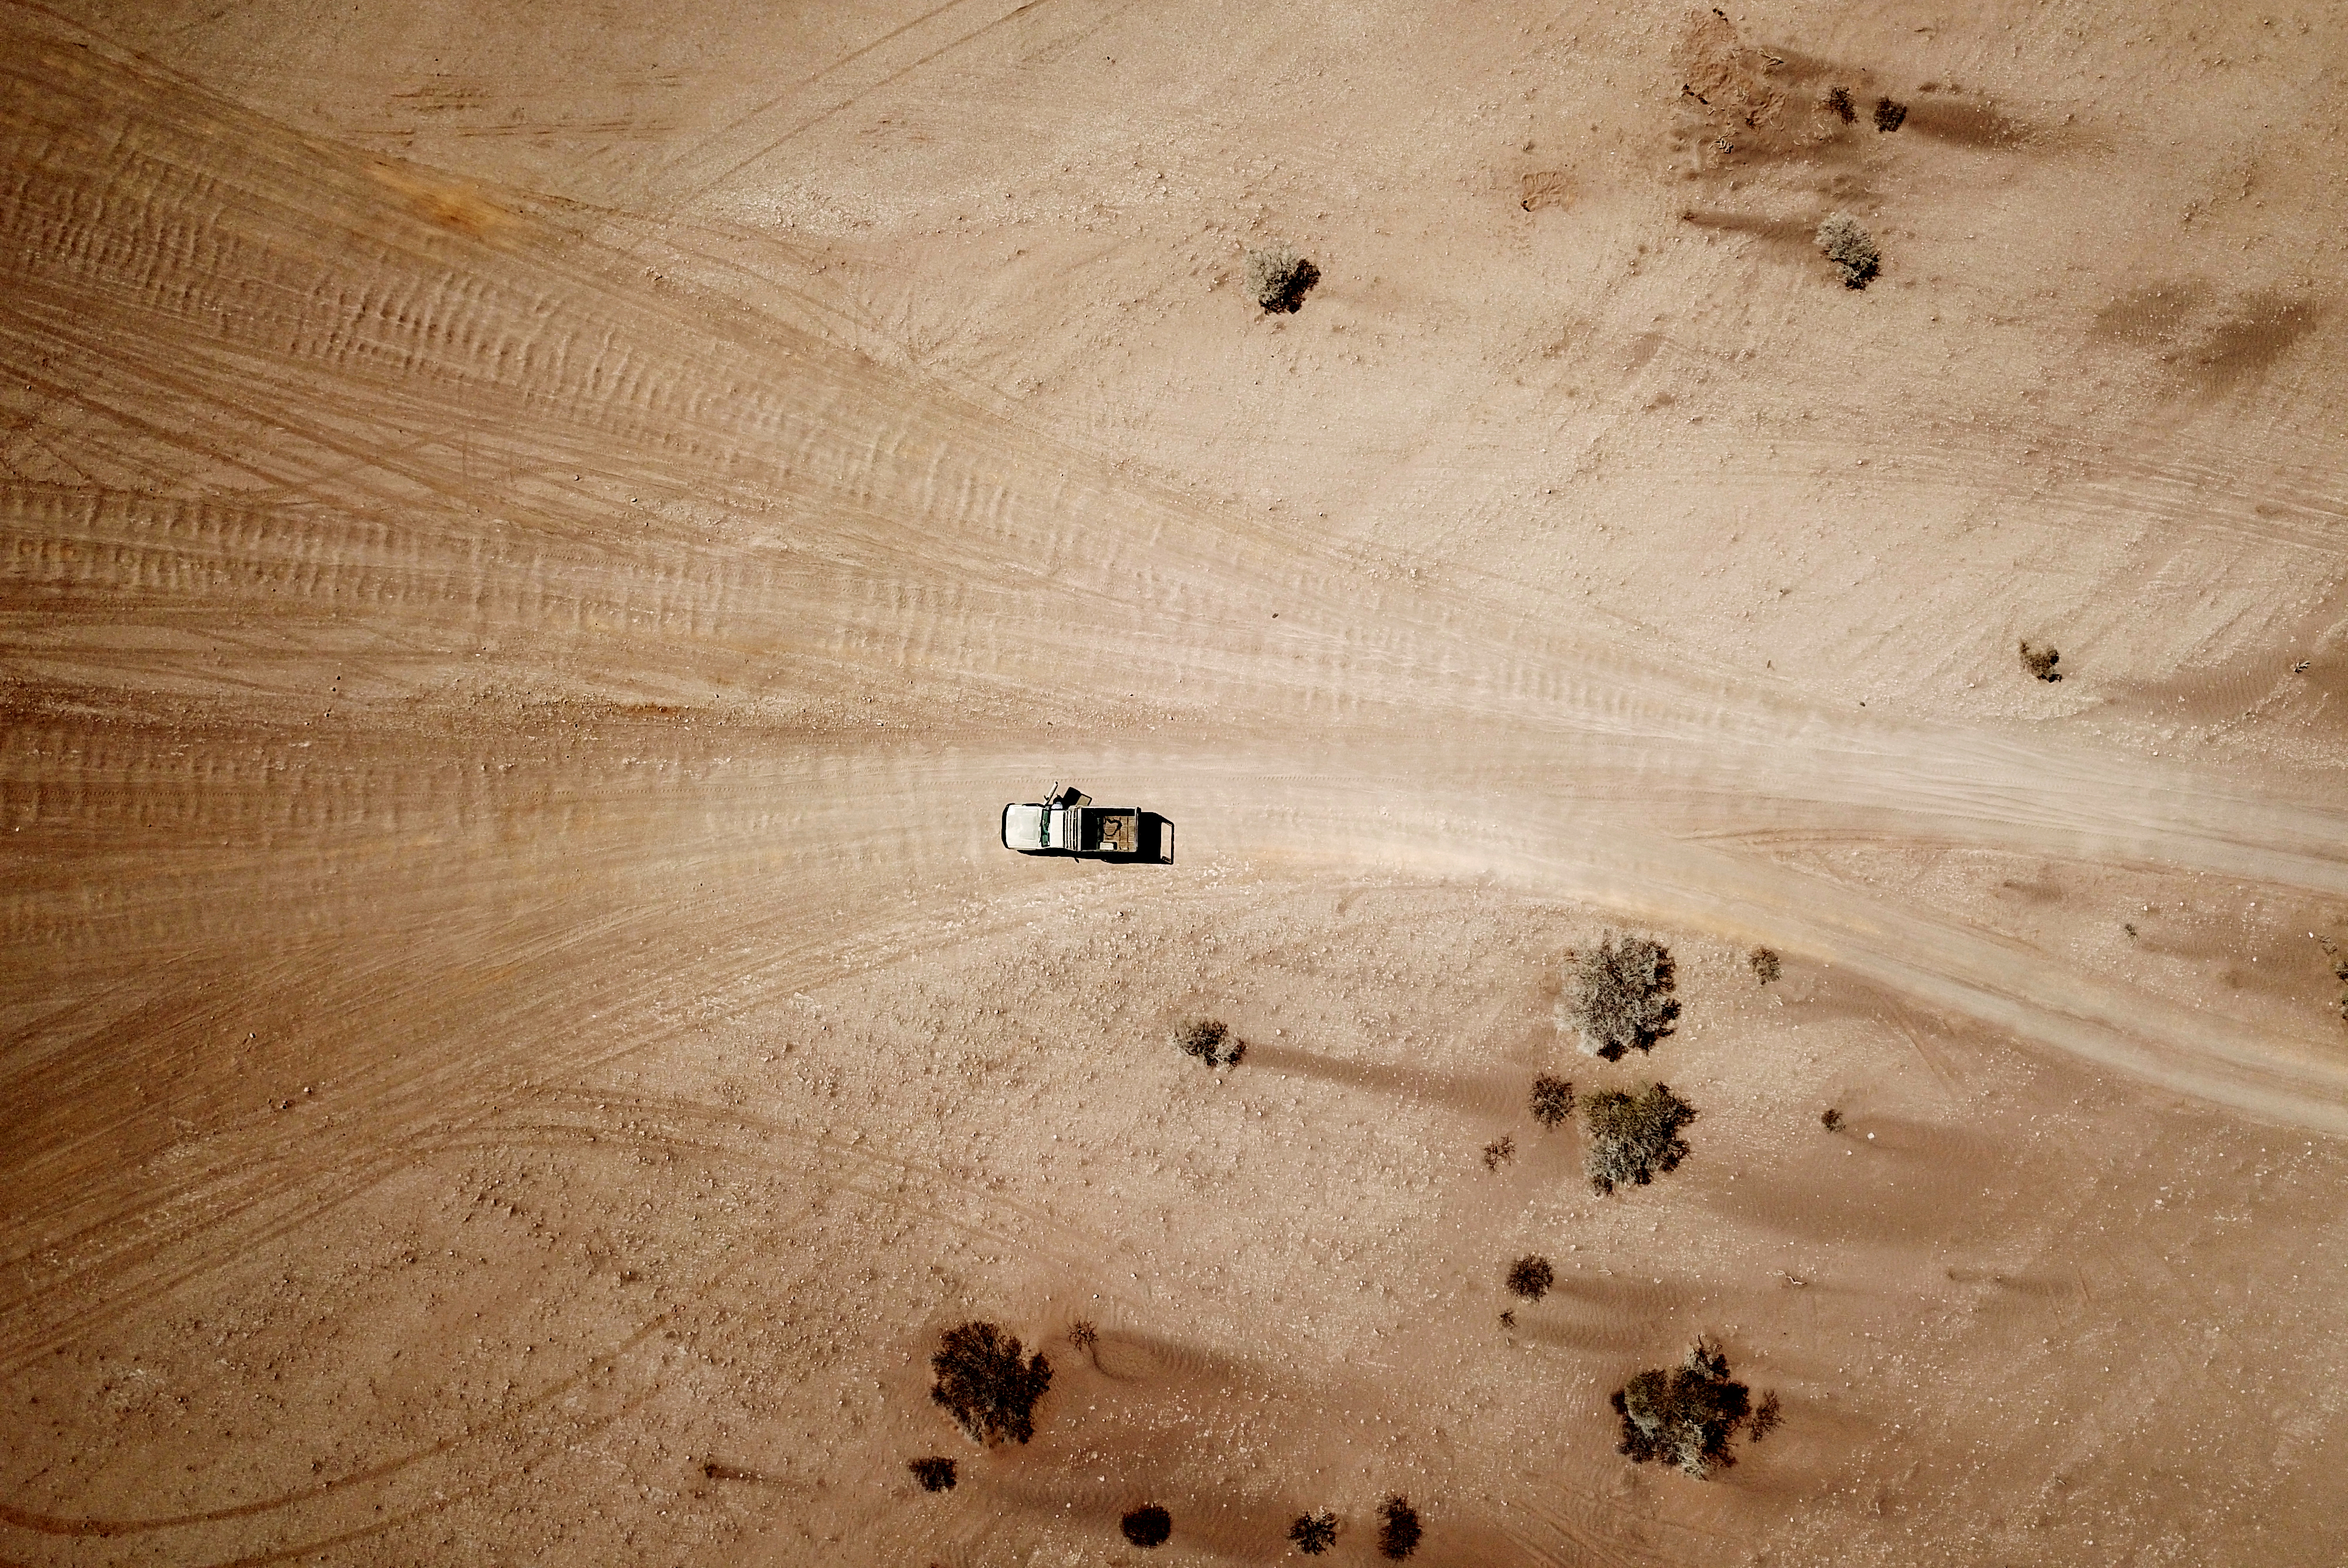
{"x": 539, "y": 537}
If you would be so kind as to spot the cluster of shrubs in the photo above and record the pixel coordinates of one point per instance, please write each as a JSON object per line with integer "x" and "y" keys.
{"x": 1312, "y": 1533}
{"x": 1622, "y": 999}
{"x": 988, "y": 1383}
{"x": 1890, "y": 115}
{"x": 1399, "y": 1530}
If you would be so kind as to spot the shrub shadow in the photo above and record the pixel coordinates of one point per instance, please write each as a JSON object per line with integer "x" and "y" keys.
{"x": 1480, "y": 1096}
{"x": 1964, "y": 123}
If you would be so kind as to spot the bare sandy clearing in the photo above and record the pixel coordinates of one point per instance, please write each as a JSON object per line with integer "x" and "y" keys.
{"x": 537, "y": 546}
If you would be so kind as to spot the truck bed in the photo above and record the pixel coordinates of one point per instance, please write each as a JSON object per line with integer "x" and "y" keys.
{"x": 1109, "y": 832}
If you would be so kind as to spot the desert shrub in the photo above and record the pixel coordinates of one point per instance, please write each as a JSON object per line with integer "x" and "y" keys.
{"x": 1622, "y": 999}
{"x": 1082, "y": 1334}
{"x": 1278, "y": 279}
{"x": 1530, "y": 1277}
{"x": 1634, "y": 1137}
{"x": 1765, "y": 1418}
{"x": 1553, "y": 1099}
{"x": 1399, "y": 1530}
{"x": 1147, "y": 1526}
{"x": 1499, "y": 1151}
{"x": 1685, "y": 1415}
{"x": 1888, "y": 116}
{"x": 936, "y": 1473}
{"x": 1509, "y": 1318}
{"x": 1850, "y": 248}
{"x": 1211, "y": 1041}
{"x": 1838, "y": 99}
{"x": 983, "y": 1384}
{"x": 1831, "y": 1119}
{"x": 1766, "y": 965}
{"x": 1314, "y": 1533}
{"x": 2040, "y": 661}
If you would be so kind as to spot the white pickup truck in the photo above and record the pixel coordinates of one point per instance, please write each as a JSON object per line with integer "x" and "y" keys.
{"x": 1069, "y": 823}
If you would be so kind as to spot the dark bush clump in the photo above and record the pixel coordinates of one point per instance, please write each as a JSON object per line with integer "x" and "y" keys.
{"x": 1621, "y": 997}
{"x": 1838, "y": 100}
{"x": 2040, "y": 661}
{"x": 1685, "y": 1416}
{"x": 1147, "y": 1526}
{"x": 985, "y": 1385}
{"x": 1211, "y": 1041}
{"x": 1278, "y": 279}
{"x": 1314, "y": 1533}
{"x": 1766, "y": 965}
{"x": 1633, "y": 1138}
{"x": 1398, "y": 1529}
{"x": 1499, "y": 1151}
{"x": 1850, "y": 248}
{"x": 1831, "y": 1119}
{"x": 1530, "y": 1277}
{"x": 1888, "y": 116}
{"x": 1553, "y": 1099}
{"x": 935, "y": 1473}
{"x": 1084, "y": 1335}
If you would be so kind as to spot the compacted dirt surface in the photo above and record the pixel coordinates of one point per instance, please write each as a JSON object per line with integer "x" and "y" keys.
{"x": 539, "y": 538}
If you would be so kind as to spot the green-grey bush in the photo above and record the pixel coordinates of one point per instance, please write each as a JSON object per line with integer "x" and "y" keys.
{"x": 1850, "y": 248}
{"x": 1685, "y": 1415}
{"x": 1634, "y": 1136}
{"x": 1620, "y": 996}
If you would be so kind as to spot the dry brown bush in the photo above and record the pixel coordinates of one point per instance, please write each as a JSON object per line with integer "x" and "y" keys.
{"x": 1277, "y": 278}
{"x": 985, "y": 1385}
{"x": 1314, "y": 1533}
{"x": 1146, "y": 1526}
{"x": 1398, "y": 1528}
{"x": 1211, "y": 1041}
{"x": 1553, "y": 1099}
